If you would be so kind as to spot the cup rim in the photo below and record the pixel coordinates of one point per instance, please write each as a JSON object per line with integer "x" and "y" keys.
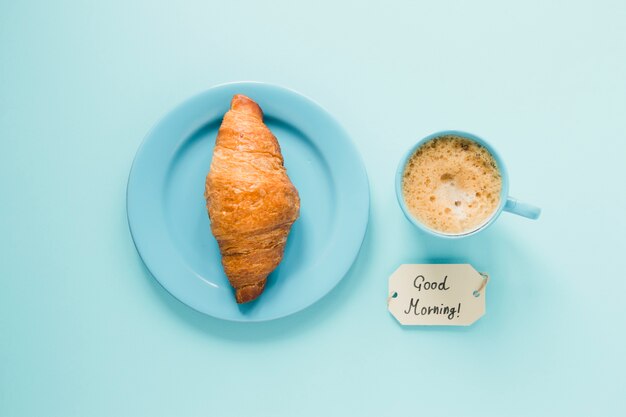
{"x": 504, "y": 192}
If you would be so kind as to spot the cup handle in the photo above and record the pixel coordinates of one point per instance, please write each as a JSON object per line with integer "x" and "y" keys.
{"x": 522, "y": 209}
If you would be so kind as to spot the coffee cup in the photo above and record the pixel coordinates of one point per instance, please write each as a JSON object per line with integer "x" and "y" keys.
{"x": 442, "y": 203}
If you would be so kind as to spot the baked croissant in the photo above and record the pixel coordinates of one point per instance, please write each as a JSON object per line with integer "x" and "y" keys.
{"x": 250, "y": 199}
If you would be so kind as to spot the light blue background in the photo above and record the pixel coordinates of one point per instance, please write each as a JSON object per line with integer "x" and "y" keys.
{"x": 84, "y": 329}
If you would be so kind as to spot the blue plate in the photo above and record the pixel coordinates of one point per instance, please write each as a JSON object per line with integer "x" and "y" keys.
{"x": 169, "y": 223}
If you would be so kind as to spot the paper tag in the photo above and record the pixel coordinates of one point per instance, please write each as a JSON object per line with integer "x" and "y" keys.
{"x": 442, "y": 295}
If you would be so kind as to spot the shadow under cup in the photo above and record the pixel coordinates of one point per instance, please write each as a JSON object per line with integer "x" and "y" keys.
{"x": 507, "y": 203}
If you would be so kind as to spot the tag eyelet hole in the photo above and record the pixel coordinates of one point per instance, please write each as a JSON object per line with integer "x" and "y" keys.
{"x": 476, "y": 294}
{"x": 395, "y": 295}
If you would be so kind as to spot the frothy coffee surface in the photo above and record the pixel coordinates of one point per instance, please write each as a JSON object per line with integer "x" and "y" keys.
{"x": 452, "y": 184}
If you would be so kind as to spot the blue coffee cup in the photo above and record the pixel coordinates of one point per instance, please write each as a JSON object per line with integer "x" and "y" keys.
{"x": 507, "y": 203}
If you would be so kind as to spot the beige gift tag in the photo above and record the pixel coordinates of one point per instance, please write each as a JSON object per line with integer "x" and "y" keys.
{"x": 437, "y": 294}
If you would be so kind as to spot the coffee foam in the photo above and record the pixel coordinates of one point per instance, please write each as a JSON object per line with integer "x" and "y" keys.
{"x": 452, "y": 184}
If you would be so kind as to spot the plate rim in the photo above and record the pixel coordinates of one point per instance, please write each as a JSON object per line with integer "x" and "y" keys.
{"x": 358, "y": 159}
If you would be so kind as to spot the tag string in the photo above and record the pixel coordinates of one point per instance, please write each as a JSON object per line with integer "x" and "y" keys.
{"x": 482, "y": 284}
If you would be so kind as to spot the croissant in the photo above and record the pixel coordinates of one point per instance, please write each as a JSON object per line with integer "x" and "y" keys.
{"x": 250, "y": 200}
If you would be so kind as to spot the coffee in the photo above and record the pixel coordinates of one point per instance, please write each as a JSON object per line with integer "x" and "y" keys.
{"x": 452, "y": 185}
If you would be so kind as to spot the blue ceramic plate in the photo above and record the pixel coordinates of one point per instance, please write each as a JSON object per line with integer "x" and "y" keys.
{"x": 169, "y": 222}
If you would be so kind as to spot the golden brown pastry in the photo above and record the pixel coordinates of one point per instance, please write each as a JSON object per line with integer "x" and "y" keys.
{"x": 250, "y": 199}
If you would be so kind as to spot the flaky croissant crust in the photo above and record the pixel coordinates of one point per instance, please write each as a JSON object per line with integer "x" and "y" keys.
{"x": 250, "y": 200}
